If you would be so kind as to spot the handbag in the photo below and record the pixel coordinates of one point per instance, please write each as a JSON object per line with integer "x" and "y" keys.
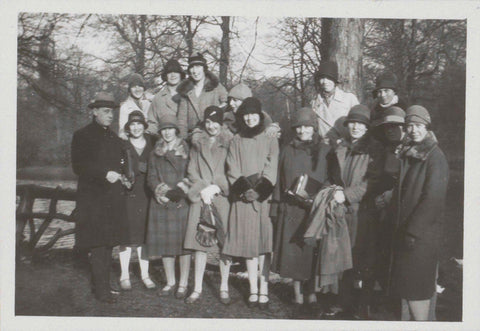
{"x": 304, "y": 189}
{"x": 209, "y": 228}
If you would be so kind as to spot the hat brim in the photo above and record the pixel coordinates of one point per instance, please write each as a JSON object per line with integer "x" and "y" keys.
{"x": 126, "y": 126}
{"x": 164, "y": 74}
{"x": 391, "y": 119}
{"x": 103, "y": 103}
{"x": 358, "y": 120}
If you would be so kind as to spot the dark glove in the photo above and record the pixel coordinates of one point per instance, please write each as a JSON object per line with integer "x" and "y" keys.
{"x": 409, "y": 242}
{"x": 250, "y": 195}
{"x": 240, "y": 186}
{"x": 175, "y": 194}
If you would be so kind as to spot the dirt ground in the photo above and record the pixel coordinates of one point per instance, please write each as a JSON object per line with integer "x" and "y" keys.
{"x": 57, "y": 285}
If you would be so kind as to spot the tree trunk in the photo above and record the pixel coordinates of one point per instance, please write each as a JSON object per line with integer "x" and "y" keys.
{"x": 224, "y": 50}
{"x": 140, "y": 52}
{"x": 342, "y": 42}
{"x": 189, "y": 35}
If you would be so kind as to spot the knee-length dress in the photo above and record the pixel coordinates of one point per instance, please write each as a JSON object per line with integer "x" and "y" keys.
{"x": 167, "y": 222}
{"x": 292, "y": 258}
{"x": 250, "y": 231}
{"x": 207, "y": 166}
{"x": 138, "y": 196}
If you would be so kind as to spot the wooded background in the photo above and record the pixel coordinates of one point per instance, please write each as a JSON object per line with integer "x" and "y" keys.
{"x": 57, "y": 77}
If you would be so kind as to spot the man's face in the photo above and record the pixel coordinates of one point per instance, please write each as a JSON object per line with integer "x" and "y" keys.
{"x": 417, "y": 131}
{"x": 103, "y": 116}
{"x": 357, "y": 130}
{"x": 326, "y": 84}
{"x": 197, "y": 72}
{"x": 385, "y": 95}
{"x": 235, "y": 103}
{"x": 251, "y": 120}
{"x": 173, "y": 78}
{"x": 137, "y": 91}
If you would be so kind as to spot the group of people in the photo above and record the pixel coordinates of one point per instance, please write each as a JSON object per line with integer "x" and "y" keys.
{"x": 352, "y": 201}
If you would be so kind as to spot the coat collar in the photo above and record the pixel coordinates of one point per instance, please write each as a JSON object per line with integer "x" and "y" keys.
{"x": 186, "y": 86}
{"x": 361, "y": 146}
{"x": 180, "y": 148}
{"x": 202, "y": 138}
{"x": 417, "y": 151}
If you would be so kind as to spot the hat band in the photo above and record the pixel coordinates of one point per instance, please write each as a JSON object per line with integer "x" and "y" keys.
{"x": 391, "y": 119}
{"x": 416, "y": 119}
{"x": 102, "y": 103}
{"x": 197, "y": 62}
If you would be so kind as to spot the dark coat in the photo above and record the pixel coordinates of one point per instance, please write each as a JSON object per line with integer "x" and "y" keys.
{"x": 420, "y": 197}
{"x": 292, "y": 258}
{"x": 357, "y": 181}
{"x": 100, "y": 204}
{"x": 138, "y": 197}
{"x": 191, "y": 107}
{"x": 167, "y": 223}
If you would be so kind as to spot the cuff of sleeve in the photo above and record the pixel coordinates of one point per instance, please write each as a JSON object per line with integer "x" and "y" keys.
{"x": 264, "y": 188}
{"x": 240, "y": 186}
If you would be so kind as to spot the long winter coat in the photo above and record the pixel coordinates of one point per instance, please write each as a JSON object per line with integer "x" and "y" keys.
{"x": 420, "y": 197}
{"x": 250, "y": 232}
{"x": 191, "y": 107}
{"x": 207, "y": 166}
{"x": 162, "y": 104}
{"x": 100, "y": 204}
{"x": 138, "y": 196}
{"x": 167, "y": 223}
{"x": 355, "y": 168}
{"x": 292, "y": 258}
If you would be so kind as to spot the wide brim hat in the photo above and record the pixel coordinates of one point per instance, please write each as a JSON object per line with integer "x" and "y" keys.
{"x": 168, "y": 121}
{"x": 358, "y": 113}
{"x": 172, "y": 66}
{"x": 391, "y": 115}
{"x": 135, "y": 116}
{"x": 103, "y": 99}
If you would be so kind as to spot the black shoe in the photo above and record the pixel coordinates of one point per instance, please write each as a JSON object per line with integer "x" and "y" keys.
{"x": 252, "y": 303}
{"x": 263, "y": 305}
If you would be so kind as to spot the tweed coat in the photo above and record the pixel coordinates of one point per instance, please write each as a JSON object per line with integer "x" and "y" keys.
{"x": 207, "y": 166}
{"x": 292, "y": 258}
{"x": 101, "y": 205}
{"x": 138, "y": 196}
{"x": 420, "y": 198}
{"x": 191, "y": 107}
{"x": 167, "y": 222}
{"x": 162, "y": 104}
{"x": 250, "y": 232}
{"x": 357, "y": 182}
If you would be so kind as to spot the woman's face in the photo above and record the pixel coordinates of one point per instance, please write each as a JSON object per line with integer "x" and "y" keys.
{"x": 393, "y": 132}
{"x": 251, "y": 120}
{"x": 169, "y": 134}
{"x": 304, "y": 132}
{"x": 136, "y": 129}
{"x": 212, "y": 128}
{"x": 326, "y": 84}
{"x": 357, "y": 130}
{"x": 197, "y": 72}
{"x": 173, "y": 78}
{"x": 137, "y": 91}
{"x": 385, "y": 95}
{"x": 235, "y": 103}
{"x": 417, "y": 131}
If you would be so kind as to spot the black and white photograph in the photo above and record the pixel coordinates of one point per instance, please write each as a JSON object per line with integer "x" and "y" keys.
{"x": 265, "y": 165}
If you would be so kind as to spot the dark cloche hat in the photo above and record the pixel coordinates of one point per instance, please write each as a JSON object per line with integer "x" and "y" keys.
{"x": 418, "y": 114}
{"x": 358, "y": 113}
{"x": 250, "y": 105}
{"x": 172, "y": 65}
{"x": 135, "y": 116}
{"x": 386, "y": 80}
{"x": 103, "y": 99}
{"x": 327, "y": 69}
{"x": 135, "y": 80}
{"x": 168, "y": 121}
{"x": 304, "y": 116}
{"x": 214, "y": 114}
{"x": 197, "y": 59}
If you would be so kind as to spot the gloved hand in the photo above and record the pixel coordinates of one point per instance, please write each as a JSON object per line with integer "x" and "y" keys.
{"x": 339, "y": 196}
{"x": 175, "y": 194}
{"x": 273, "y": 130}
{"x": 208, "y": 193}
{"x": 251, "y": 195}
{"x": 160, "y": 192}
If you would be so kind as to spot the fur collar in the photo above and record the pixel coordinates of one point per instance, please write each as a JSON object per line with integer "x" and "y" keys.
{"x": 201, "y": 139}
{"x": 361, "y": 146}
{"x": 211, "y": 82}
{"x": 418, "y": 151}
{"x": 180, "y": 148}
